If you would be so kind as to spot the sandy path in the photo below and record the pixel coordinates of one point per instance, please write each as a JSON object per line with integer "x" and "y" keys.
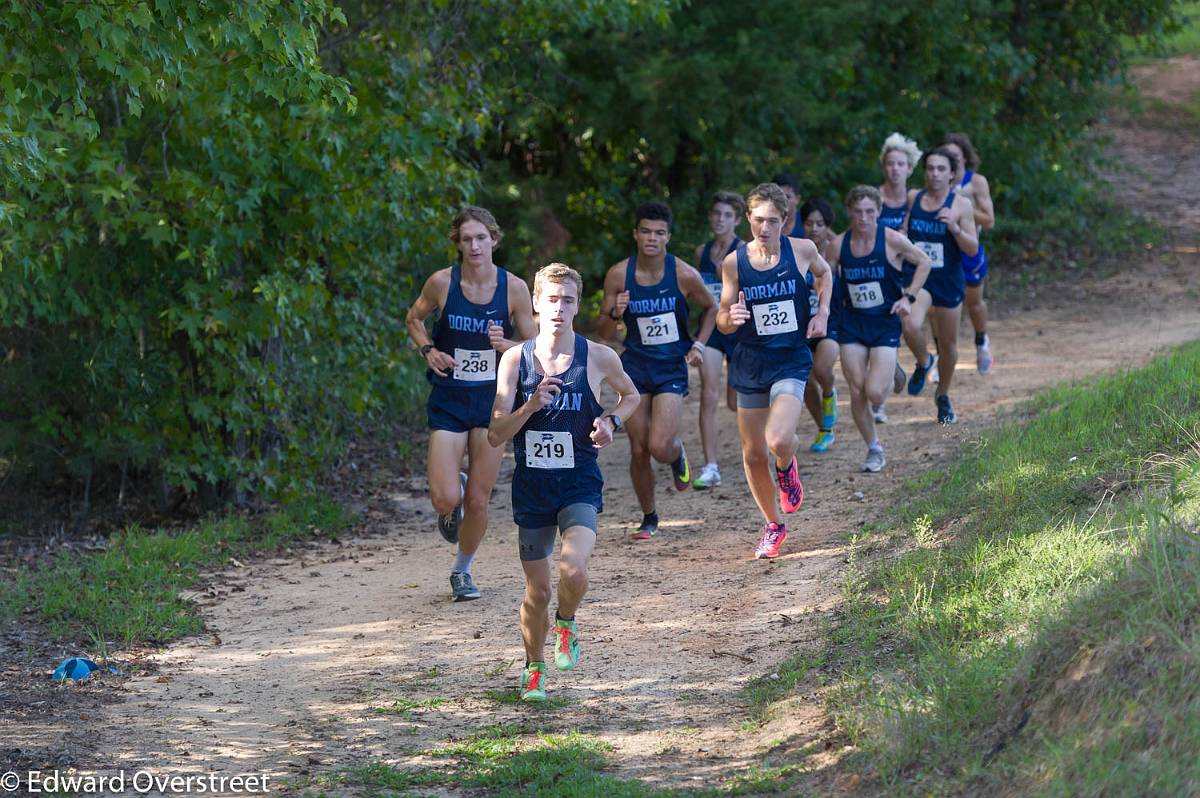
{"x": 302, "y": 652}
{"x": 304, "y": 649}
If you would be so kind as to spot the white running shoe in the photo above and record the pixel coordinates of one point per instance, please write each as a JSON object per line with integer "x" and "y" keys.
{"x": 710, "y": 477}
{"x": 983, "y": 356}
{"x": 875, "y": 461}
{"x": 880, "y": 414}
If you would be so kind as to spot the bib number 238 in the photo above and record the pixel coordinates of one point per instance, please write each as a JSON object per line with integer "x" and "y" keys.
{"x": 475, "y": 365}
{"x": 773, "y": 318}
{"x": 549, "y": 449}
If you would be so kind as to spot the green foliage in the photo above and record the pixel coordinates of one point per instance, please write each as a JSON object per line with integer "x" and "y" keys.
{"x": 131, "y": 591}
{"x": 722, "y": 99}
{"x": 1073, "y": 537}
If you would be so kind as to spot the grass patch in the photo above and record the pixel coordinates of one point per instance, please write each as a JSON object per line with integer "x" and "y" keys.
{"x": 513, "y": 697}
{"x": 406, "y": 706}
{"x": 130, "y": 591}
{"x": 1034, "y": 621}
{"x": 507, "y": 760}
{"x": 770, "y": 688}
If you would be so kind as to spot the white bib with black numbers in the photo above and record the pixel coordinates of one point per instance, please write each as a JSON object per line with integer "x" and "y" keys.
{"x": 866, "y": 295}
{"x": 774, "y": 318}
{"x": 935, "y": 250}
{"x": 660, "y": 329}
{"x": 475, "y": 365}
{"x": 715, "y": 290}
{"x": 549, "y": 449}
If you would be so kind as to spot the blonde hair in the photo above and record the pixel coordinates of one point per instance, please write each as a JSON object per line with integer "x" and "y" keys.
{"x": 559, "y": 273}
{"x": 901, "y": 142}
{"x": 767, "y": 192}
{"x": 474, "y": 213}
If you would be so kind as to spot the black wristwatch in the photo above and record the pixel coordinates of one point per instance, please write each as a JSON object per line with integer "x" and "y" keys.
{"x": 911, "y": 299}
{"x": 425, "y": 350}
{"x": 616, "y": 421}
{"x": 611, "y": 311}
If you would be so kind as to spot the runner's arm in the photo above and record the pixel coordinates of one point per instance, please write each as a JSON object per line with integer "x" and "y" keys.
{"x": 729, "y": 293}
{"x": 432, "y": 297}
{"x": 505, "y": 421}
{"x": 964, "y": 230}
{"x": 521, "y": 316}
{"x": 610, "y": 370}
{"x": 908, "y": 251}
{"x": 692, "y": 286}
{"x": 985, "y": 212}
{"x": 614, "y": 285}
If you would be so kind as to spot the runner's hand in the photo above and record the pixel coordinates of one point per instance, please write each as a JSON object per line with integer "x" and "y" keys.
{"x": 817, "y": 325}
{"x": 694, "y": 356}
{"x": 738, "y": 314}
{"x": 602, "y": 432}
{"x": 496, "y": 335}
{"x": 901, "y": 307}
{"x": 622, "y": 302}
{"x": 439, "y": 362}
{"x": 949, "y": 217}
{"x": 546, "y": 391}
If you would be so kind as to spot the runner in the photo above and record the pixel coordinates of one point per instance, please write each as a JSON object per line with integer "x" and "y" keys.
{"x": 868, "y": 258}
{"x": 765, "y": 283}
{"x": 942, "y": 224}
{"x": 791, "y": 189}
{"x": 974, "y": 187}
{"x": 820, "y": 395}
{"x": 724, "y": 214}
{"x": 650, "y": 292}
{"x": 546, "y": 398}
{"x": 898, "y": 158}
{"x": 479, "y": 310}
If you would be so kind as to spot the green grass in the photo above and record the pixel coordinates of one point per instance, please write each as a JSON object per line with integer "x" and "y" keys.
{"x": 513, "y": 697}
{"x": 762, "y": 693}
{"x": 1183, "y": 39}
{"x": 406, "y": 706}
{"x": 1060, "y": 546}
{"x": 130, "y": 591}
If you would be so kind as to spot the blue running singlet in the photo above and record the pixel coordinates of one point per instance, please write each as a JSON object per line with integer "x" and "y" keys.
{"x": 710, "y": 272}
{"x": 871, "y": 287}
{"x": 974, "y": 266}
{"x": 656, "y": 317}
{"x": 945, "y": 283}
{"x": 893, "y": 216}
{"x": 556, "y": 460}
{"x": 656, "y": 333}
{"x": 462, "y": 400}
{"x": 771, "y": 345}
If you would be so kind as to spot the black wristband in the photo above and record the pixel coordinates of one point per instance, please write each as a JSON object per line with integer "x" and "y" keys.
{"x": 911, "y": 299}
{"x": 612, "y": 311}
{"x": 425, "y": 350}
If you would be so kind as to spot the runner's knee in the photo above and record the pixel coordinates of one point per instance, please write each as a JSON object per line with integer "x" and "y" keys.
{"x": 663, "y": 450}
{"x": 445, "y": 501}
{"x": 476, "y": 503}
{"x": 538, "y": 596}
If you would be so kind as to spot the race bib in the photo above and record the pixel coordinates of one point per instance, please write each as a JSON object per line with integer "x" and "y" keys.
{"x": 935, "y": 251}
{"x": 773, "y": 318}
{"x": 715, "y": 290}
{"x": 865, "y": 295}
{"x": 549, "y": 449}
{"x": 660, "y": 329}
{"x": 475, "y": 365}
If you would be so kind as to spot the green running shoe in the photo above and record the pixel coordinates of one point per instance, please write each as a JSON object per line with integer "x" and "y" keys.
{"x": 829, "y": 410}
{"x": 566, "y": 651}
{"x": 531, "y": 682}
{"x": 823, "y": 441}
{"x": 680, "y": 471}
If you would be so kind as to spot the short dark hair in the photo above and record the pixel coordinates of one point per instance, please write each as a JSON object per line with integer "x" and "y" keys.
{"x": 946, "y": 153}
{"x": 787, "y": 179}
{"x": 820, "y": 206}
{"x": 654, "y": 211}
{"x": 728, "y": 198}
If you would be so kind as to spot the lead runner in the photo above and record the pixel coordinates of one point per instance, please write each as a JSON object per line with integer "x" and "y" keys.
{"x": 547, "y": 398}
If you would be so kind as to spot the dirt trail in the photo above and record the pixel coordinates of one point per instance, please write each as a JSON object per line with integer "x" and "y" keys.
{"x": 302, "y": 653}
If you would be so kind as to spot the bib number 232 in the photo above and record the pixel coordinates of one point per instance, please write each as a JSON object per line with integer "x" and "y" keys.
{"x": 773, "y": 318}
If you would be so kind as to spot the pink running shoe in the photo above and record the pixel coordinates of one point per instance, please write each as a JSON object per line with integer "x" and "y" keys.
{"x": 791, "y": 492}
{"x": 772, "y": 540}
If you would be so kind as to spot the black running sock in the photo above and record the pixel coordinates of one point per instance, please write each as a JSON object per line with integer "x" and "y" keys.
{"x": 558, "y": 617}
{"x": 979, "y": 336}
{"x": 650, "y": 519}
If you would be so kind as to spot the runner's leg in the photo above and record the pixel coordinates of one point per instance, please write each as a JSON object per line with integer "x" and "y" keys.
{"x": 482, "y": 470}
{"x": 446, "y": 450}
{"x": 535, "y": 615}
{"x": 710, "y": 397}
{"x": 577, "y": 545}
{"x": 854, "y": 368}
{"x": 641, "y": 472}
{"x": 945, "y": 323}
{"x": 665, "y": 446}
{"x": 913, "y": 326}
{"x": 752, "y": 428}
